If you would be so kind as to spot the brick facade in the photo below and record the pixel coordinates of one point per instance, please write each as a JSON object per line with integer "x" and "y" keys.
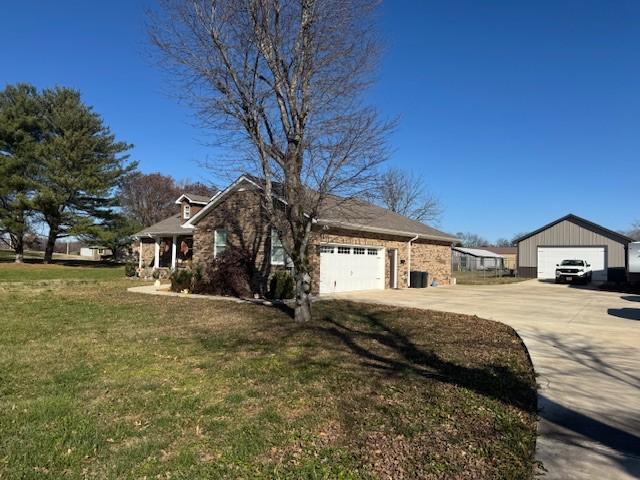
{"x": 241, "y": 216}
{"x": 430, "y": 256}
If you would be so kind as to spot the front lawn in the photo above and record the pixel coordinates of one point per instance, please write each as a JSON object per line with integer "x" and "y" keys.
{"x": 33, "y": 270}
{"x": 96, "y": 382}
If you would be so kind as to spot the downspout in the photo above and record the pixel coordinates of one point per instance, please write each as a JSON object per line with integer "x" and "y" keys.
{"x": 409, "y": 259}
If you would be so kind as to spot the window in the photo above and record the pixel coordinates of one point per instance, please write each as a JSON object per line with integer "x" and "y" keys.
{"x": 344, "y": 250}
{"x": 277, "y": 250}
{"x": 372, "y": 251}
{"x": 187, "y": 211}
{"x": 326, "y": 249}
{"x": 220, "y": 241}
{"x": 358, "y": 251}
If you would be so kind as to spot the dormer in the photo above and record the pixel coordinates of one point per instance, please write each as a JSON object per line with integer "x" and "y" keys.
{"x": 190, "y": 204}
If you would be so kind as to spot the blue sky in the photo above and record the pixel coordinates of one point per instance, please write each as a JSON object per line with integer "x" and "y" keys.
{"x": 516, "y": 113}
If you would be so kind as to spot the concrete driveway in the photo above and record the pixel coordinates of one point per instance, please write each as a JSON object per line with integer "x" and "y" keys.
{"x": 585, "y": 347}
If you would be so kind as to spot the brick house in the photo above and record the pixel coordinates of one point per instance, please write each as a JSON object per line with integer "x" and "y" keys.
{"x": 354, "y": 245}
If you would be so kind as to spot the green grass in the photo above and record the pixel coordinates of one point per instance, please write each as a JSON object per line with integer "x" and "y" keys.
{"x": 33, "y": 270}
{"x": 488, "y": 278}
{"x": 96, "y": 382}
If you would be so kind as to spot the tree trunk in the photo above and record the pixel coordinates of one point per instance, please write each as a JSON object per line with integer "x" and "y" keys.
{"x": 51, "y": 243}
{"x": 18, "y": 248}
{"x": 303, "y": 297}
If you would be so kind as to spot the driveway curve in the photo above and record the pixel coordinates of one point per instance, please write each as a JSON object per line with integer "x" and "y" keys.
{"x": 585, "y": 348}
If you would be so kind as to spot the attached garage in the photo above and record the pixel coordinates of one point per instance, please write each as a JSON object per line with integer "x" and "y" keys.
{"x": 572, "y": 238}
{"x": 345, "y": 268}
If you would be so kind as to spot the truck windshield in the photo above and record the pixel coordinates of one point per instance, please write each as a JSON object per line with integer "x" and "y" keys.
{"x": 572, "y": 263}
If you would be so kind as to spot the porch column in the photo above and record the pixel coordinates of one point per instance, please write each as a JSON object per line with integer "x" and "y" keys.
{"x": 156, "y": 262}
{"x": 140, "y": 254}
{"x": 173, "y": 252}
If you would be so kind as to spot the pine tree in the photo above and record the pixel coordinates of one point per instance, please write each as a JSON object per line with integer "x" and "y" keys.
{"x": 81, "y": 166}
{"x": 20, "y": 134}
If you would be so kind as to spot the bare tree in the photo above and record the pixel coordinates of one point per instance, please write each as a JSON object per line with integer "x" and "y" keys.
{"x": 471, "y": 240}
{"x": 282, "y": 80}
{"x": 503, "y": 242}
{"x": 407, "y": 194}
{"x": 634, "y": 232}
{"x": 148, "y": 198}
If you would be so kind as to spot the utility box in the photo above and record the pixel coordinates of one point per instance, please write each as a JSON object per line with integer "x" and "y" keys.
{"x": 418, "y": 279}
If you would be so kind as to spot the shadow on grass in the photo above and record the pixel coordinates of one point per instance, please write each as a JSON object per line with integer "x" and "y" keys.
{"x": 400, "y": 355}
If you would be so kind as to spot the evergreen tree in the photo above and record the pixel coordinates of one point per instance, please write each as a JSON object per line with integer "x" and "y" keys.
{"x": 20, "y": 134}
{"x": 81, "y": 166}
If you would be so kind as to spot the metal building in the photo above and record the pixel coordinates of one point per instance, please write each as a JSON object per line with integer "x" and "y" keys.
{"x": 572, "y": 237}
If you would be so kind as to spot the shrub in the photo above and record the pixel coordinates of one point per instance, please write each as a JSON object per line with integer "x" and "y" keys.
{"x": 281, "y": 286}
{"x": 130, "y": 269}
{"x": 155, "y": 274}
{"x": 228, "y": 274}
{"x": 181, "y": 279}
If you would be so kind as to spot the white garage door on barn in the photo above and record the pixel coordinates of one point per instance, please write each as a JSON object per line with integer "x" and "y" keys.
{"x": 345, "y": 268}
{"x": 549, "y": 257}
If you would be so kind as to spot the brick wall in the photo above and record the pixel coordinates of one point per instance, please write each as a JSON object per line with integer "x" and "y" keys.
{"x": 433, "y": 257}
{"x": 241, "y": 216}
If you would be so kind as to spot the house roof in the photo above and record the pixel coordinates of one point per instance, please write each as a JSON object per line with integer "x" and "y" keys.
{"x": 350, "y": 214}
{"x": 477, "y": 252}
{"x": 194, "y": 198}
{"x": 168, "y": 226}
{"x": 356, "y": 214}
{"x": 502, "y": 250}
{"x": 583, "y": 222}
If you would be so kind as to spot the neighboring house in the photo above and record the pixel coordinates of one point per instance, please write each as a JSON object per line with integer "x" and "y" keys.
{"x": 474, "y": 259}
{"x": 354, "y": 245}
{"x": 509, "y": 255}
{"x": 572, "y": 237}
{"x": 94, "y": 251}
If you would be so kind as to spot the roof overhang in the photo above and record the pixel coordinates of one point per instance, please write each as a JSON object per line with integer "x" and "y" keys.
{"x": 184, "y": 195}
{"x": 396, "y": 233}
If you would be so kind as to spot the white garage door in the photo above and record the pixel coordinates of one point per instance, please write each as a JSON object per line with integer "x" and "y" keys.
{"x": 346, "y": 268}
{"x": 549, "y": 257}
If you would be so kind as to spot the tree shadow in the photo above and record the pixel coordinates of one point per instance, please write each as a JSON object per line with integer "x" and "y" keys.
{"x": 626, "y": 313}
{"x": 631, "y": 298}
{"x": 399, "y": 355}
{"x": 576, "y": 426}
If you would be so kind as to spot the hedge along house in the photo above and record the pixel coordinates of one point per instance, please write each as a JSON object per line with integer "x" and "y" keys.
{"x": 168, "y": 244}
{"x": 572, "y": 237}
{"x": 354, "y": 245}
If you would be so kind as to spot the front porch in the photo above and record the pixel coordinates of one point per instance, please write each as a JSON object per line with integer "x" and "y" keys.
{"x": 164, "y": 251}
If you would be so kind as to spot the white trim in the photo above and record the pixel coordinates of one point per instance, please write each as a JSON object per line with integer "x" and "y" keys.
{"x": 140, "y": 255}
{"x": 284, "y": 254}
{"x": 184, "y": 195}
{"x": 409, "y": 260}
{"x": 398, "y": 233}
{"x": 215, "y": 241}
{"x": 156, "y": 260}
{"x": 174, "y": 240}
{"x": 214, "y": 201}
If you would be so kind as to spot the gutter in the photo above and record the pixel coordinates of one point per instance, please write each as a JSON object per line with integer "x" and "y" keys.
{"x": 409, "y": 259}
{"x": 364, "y": 228}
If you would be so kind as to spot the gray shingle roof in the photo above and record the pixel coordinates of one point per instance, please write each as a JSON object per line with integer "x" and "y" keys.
{"x": 359, "y": 215}
{"x": 169, "y": 226}
{"x": 198, "y": 198}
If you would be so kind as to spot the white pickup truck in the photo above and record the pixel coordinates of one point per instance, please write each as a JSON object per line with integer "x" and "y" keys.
{"x": 573, "y": 270}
